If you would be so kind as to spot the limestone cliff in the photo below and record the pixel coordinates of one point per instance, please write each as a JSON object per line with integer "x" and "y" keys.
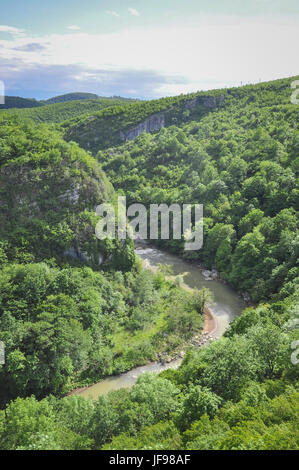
{"x": 151, "y": 124}
{"x": 157, "y": 121}
{"x": 116, "y": 124}
{"x": 210, "y": 102}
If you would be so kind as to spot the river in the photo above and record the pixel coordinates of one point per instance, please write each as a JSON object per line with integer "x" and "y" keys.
{"x": 227, "y": 305}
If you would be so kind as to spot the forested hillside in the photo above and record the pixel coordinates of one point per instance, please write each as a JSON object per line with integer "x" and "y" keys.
{"x": 60, "y": 111}
{"x": 86, "y": 96}
{"x": 61, "y": 320}
{"x": 48, "y": 191}
{"x": 74, "y": 309}
{"x": 17, "y": 102}
{"x": 241, "y": 163}
{"x": 71, "y": 97}
{"x": 111, "y": 126}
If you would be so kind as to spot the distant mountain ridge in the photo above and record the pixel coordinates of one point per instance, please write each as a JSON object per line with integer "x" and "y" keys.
{"x": 19, "y": 102}
{"x": 71, "y": 97}
{"x": 57, "y": 113}
{"x": 112, "y": 126}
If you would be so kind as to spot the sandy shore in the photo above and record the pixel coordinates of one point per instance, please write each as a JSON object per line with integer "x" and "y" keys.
{"x": 211, "y": 324}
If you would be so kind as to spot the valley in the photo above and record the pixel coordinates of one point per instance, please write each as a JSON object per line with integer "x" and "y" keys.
{"x": 99, "y": 316}
{"x": 225, "y": 307}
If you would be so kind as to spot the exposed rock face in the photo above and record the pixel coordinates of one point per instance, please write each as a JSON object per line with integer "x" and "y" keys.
{"x": 157, "y": 121}
{"x": 246, "y": 297}
{"x": 207, "y": 275}
{"x": 71, "y": 195}
{"x": 76, "y": 253}
{"x": 151, "y": 124}
{"x": 210, "y": 275}
{"x": 210, "y": 102}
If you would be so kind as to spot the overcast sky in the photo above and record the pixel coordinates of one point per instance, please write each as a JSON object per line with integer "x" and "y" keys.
{"x": 144, "y": 48}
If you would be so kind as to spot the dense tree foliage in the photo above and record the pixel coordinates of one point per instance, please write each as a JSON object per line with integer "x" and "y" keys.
{"x": 86, "y": 96}
{"x": 237, "y": 393}
{"x": 71, "y": 97}
{"x": 18, "y": 102}
{"x": 60, "y": 111}
{"x": 74, "y": 325}
{"x": 241, "y": 162}
{"x": 104, "y": 129}
{"x": 74, "y": 309}
{"x": 48, "y": 192}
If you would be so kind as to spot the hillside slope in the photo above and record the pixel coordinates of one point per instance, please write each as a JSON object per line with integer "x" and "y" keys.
{"x": 236, "y": 151}
{"x": 48, "y": 192}
{"x": 112, "y": 126}
{"x": 62, "y": 111}
{"x": 18, "y": 102}
{"x": 72, "y": 307}
{"x": 241, "y": 162}
{"x": 71, "y": 97}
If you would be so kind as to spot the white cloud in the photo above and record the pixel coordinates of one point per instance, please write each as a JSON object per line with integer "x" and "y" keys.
{"x": 10, "y": 29}
{"x": 134, "y": 12}
{"x": 211, "y": 53}
{"x": 74, "y": 27}
{"x": 113, "y": 13}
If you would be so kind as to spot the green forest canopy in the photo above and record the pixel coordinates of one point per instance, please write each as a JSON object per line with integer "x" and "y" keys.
{"x": 67, "y": 321}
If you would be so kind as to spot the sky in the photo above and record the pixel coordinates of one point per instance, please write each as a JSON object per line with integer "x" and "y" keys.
{"x": 144, "y": 48}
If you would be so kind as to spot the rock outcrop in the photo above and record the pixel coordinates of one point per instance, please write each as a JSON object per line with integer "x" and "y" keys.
{"x": 210, "y": 102}
{"x": 71, "y": 195}
{"x": 151, "y": 124}
{"x": 210, "y": 275}
{"x": 82, "y": 256}
{"x": 157, "y": 121}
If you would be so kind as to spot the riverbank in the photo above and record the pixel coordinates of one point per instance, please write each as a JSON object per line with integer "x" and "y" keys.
{"x": 211, "y": 324}
{"x": 210, "y": 320}
{"x": 226, "y": 307}
{"x": 209, "y": 275}
{"x": 169, "y": 362}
